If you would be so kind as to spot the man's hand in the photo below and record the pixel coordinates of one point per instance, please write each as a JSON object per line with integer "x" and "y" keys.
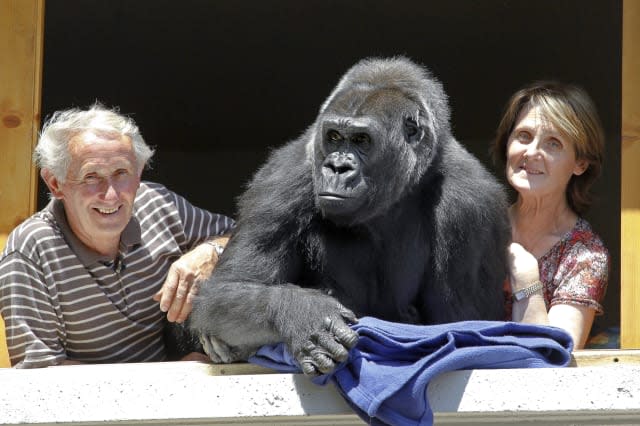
{"x": 195, "y": 356}
{"x": 184, "y": 278}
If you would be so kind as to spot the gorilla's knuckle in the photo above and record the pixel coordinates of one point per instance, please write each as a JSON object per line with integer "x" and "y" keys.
{"x": 327, "y": 322}
{"x": 308, "y": 368}
{"x": 308, "y": 346}
{"x": 347, "y": 337}
{"x": 324, "y": 364}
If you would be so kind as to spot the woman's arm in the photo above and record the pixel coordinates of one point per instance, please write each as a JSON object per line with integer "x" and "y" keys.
{"x": 574, "y": 319}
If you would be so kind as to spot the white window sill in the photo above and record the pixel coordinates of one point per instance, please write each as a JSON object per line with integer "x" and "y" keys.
{"x": 192, "y": 393}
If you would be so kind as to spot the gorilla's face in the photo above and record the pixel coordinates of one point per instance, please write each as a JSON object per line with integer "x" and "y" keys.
{"x": 363, "y": 137}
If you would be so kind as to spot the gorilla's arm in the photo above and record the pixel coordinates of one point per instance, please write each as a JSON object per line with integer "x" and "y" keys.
{"x": 249, "y": 300}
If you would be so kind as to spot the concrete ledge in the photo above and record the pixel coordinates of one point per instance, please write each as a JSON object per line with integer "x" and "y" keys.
{"x": 192, "y": 393}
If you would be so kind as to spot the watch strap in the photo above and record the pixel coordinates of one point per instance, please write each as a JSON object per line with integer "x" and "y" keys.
{"x": 528, "y": 291}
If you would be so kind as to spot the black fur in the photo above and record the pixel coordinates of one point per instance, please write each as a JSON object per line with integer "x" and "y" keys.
{"x": 179, "y": 341}
{"x": 377, "y": 207}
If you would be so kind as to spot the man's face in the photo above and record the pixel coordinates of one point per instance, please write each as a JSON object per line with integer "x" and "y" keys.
{"x": 100, "y": 187}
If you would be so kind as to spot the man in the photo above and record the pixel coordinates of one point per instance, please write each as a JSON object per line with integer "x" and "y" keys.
{"x": 80, "y": 281}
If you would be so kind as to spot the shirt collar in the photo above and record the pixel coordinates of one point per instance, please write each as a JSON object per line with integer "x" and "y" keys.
{"x": 131, "y": 235}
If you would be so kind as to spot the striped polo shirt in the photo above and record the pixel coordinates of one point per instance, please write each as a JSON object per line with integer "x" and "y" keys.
{"x": 59, "y": 299}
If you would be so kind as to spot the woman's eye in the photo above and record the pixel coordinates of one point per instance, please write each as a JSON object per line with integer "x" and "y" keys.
{"x": 524, "y": 137}
{"x": 555, "y": 144}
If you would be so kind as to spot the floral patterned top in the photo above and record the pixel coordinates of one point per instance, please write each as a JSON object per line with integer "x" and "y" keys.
{"x": 575, "y": 270}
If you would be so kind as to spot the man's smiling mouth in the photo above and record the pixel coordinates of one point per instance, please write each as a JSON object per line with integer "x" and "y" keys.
{"x": 108, "y": 211}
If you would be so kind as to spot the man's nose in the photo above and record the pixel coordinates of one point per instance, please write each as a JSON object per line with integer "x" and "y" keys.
{"x": 110, "y": 190}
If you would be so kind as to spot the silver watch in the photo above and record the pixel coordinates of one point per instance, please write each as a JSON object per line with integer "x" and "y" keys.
{"x": 527, "y": 292}
{"x": 217, "y": 247}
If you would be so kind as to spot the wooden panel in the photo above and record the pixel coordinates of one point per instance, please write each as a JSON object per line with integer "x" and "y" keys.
{"x": 604, "y": 357}
{"x": 21, "y": 32}
{"x": 630, "y": 191}
{"x": 4, "y": 354}
{"x": 21, "y": 28}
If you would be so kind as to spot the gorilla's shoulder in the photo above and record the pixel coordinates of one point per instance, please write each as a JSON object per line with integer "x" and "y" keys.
{"x": 464, "y": 172}
{"x": 472, "y": 192}
{"x": 284, "y": 184}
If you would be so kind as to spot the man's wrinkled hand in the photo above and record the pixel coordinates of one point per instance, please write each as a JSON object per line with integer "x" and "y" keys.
{"x": 183, "y": 282}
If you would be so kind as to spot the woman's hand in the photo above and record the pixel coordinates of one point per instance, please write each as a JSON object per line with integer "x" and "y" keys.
{"x": 524, "y": 267}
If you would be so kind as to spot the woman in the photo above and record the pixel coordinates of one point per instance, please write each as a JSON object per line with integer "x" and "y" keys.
{"x": 552, "y": 144}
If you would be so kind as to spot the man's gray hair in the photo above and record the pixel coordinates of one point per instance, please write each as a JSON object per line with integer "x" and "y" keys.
{"x": 52, "y": 151}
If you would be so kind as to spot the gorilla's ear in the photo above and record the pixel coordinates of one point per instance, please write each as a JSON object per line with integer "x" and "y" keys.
{"x": 413, "y": 131}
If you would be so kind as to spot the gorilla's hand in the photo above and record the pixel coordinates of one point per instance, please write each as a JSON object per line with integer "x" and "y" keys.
{"x": 323, "y": 349}
{"x": 218, "y": 351}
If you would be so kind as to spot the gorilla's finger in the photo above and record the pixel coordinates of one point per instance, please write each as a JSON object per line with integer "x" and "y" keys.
{"x": 307, "y": 347}
{"x": 307, "y": 366}
{"x": 324, "y": 364}
{"x": 208, "y": 349}
{"x": 217, "y": 350}
{"x": 337, "y": 351}
{"x": 341, "y": 332}
{"x": 316, "y": 355}
{"x": 321, "y": 359}
{"x": 347, "y": 314}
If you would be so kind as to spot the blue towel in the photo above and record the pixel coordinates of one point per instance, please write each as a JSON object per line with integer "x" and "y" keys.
{"x": 386, "y": 377}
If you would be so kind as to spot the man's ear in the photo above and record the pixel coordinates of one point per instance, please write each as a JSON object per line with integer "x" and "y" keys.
{"x": 581, "y": 167}
{"x": 52, "y": 183}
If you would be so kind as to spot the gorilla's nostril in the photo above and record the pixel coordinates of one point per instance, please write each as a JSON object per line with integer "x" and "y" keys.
{"x": 339, "y": 166}
{"x": 342, "y": 169}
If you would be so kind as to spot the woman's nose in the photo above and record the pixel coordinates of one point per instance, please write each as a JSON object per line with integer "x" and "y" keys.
{"x": 533, "y": 150}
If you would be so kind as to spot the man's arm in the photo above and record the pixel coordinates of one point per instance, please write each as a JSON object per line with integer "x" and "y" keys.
{"x": 31, "y": 323}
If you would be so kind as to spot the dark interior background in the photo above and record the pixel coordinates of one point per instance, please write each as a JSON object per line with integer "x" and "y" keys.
{"x": 214, "y": 85}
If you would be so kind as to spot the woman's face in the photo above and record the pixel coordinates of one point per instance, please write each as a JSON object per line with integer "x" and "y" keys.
{"x": 540, "y": 160}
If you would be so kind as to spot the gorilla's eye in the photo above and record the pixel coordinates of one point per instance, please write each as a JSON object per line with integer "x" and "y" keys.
{"x": 412, "y": 131}
{"x": 361, "y": 139}
{"x": 411, "y": 127}
{"x": 333, "y": 136}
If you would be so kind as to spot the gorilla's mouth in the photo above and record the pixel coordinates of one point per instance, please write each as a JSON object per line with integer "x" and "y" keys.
{"x": 332, "y": 196}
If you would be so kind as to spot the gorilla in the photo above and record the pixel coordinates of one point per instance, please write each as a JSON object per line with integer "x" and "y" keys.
{"x": 375, "y": 210}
